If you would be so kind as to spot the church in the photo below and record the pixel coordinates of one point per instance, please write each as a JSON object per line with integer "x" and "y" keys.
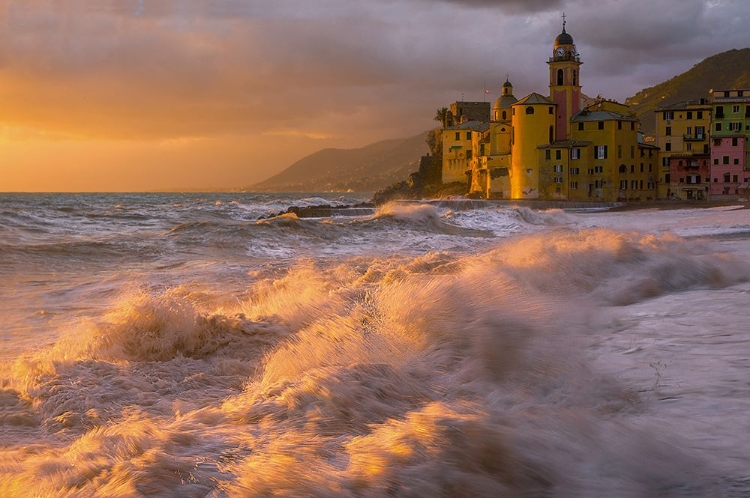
{"x": 563, "y": 146}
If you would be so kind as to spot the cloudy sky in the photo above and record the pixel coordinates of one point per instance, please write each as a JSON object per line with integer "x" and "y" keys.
{"x": 120, "y": 95}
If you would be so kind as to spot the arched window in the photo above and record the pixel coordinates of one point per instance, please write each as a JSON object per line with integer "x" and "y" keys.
{"x": 551, "y": 134}
{"x": 622, "y": 168}
{"x": 559, "y": 77}
{"x": 505, "y": 115}
{"x": 575, "y": 77}
{"x": 529, "y": 110}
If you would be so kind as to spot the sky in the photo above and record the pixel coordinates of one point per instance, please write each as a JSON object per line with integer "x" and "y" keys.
{"x": 141, "y": 95}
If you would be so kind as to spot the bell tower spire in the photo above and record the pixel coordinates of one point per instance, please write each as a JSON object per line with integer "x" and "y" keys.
{"x": 564, "y": 81}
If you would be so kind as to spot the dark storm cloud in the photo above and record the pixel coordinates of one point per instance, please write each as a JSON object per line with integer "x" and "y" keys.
{"x": 183, "y": 68}
{"x": 511, "y": 5}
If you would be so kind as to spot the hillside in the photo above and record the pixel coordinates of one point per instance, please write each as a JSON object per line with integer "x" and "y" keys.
{"x": 723, "y": 71}
{"x": 366, "y": 169}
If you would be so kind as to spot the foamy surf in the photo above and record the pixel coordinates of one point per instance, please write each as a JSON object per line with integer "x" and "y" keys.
{"x": 556, "y": 360}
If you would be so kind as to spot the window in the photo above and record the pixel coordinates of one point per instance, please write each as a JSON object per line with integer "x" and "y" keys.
{"x": 590, "y": 171}
{"x": 666, "y": 178}
{"x": 717, "y": 142}
{"x": 558, "y": 179}
{"x": 573, "y": 185}
{"x": 689, "y": 116}
{"x": 598, "y": 184}
{"x": 529, "y": 110}
{"x": 600, "y": 152}
{"x": 700, "y": 132}
{"x": 689, "y": 146}
{"x": 574, "y": 171}
{"x": 668, "y": 147}
{"x": 458, "y": 135}
{"x": 725, "y": 160}
{"x": 669, "y": 131}
{"x": 558, "y": 154}
{"x": 634, "y": 185}
{"x": 468, "y": 135}
{"x": 689, "y": 131}
{"x": 580, "y": 126}
{"x": 735, "y": 109}
{"x": 716, "y": 160}
{"x": 505, "y": 115}
{"x": 735, "y": 126}
{"x": 560, "y": 77}
{"x": 726, "y": 177}
{"x": 547, "y": 154}
{"x": 736, "y": 160}
{"x": 598, "y": 169}
{"x": 575, "y": 78}
{"x": 719, "y": 112}
{"x": 575, "y": 154}
{"x": 632, "y": 168}
{"x": 622, "y": 168}
{"x": 557, "y": 168}
{"x": 668, "y": 115}
{"x": 665, "y": 161}
{"x": 735, "y": 178}
{"x": 623, "y": 184}
{"x": 619, "y": 125}
{"x": 693, "y": 179}
{"x": 600, "y": 125}
{"x": 551, "y": 110}
{"x": 699, "y": 115}
{"x": 619, "y": 151}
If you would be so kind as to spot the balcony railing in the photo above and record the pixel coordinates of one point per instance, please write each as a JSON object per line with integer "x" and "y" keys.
{"x": 694, "y": 138}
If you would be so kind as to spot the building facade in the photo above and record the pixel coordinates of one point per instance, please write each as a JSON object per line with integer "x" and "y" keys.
{"x": 682, "y": 131}
{"x": 730, "y": 130}
{"x": 561, "y": 146}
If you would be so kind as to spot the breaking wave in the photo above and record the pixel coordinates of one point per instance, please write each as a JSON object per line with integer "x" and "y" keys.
{"x": 436, "y": 375}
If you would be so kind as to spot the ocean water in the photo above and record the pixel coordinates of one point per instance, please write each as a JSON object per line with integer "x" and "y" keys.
{"x": 185, "y": 345}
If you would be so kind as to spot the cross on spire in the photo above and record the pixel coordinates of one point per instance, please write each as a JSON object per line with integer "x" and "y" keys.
{"x": 563, "y": 16}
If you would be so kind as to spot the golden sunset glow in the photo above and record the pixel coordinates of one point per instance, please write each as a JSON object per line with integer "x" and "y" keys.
{"x": 146, "y": 95}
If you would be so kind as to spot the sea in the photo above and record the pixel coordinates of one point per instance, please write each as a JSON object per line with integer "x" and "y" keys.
{"x": 204, "y": 345}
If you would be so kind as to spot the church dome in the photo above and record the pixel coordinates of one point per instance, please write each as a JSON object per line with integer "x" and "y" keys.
{"x": 563, "y": 38}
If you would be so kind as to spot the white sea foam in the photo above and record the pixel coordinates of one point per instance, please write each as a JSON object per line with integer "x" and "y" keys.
{"x": 406, "y": 354}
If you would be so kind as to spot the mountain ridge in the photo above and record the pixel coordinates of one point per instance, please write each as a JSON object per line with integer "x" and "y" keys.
{"x": 722, "y": 71}
{"x": 363, "y": 169}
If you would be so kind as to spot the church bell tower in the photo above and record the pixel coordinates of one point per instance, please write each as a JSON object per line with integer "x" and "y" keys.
{"x": 564, "y": 82}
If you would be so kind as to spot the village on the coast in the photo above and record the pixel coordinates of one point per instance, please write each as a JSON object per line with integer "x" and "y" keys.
{"x": 568, "y": 146}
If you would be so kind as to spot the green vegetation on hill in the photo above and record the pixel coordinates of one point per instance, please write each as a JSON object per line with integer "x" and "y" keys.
{"x": 722, "y": 71}
{"x": 366, "y": 169}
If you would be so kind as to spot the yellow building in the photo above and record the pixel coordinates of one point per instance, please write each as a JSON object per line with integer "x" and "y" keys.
{"x": 565, "y": 146}
{"x": 533, "y": 123}
{"x": 458, "y": 151}
{"x": 682, "y": 130}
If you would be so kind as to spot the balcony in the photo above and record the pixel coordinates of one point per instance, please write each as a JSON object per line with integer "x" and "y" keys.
{"x": 694, "y": 138}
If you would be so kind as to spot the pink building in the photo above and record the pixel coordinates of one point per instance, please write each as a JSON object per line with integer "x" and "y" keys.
{"x": 689, "y": 177}
{"x": 728, "y": 165}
